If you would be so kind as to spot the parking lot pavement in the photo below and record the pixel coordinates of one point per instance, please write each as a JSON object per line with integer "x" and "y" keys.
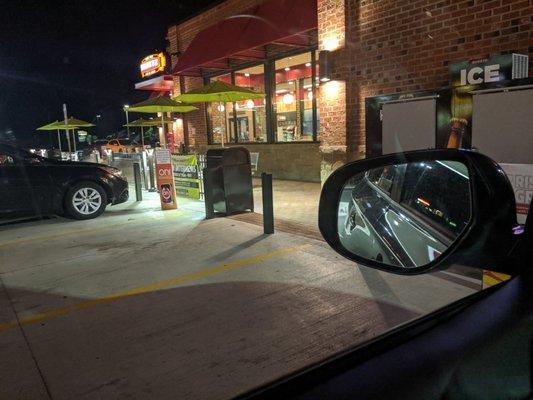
{"x": 293, "y": 200}
{"x": 141, "y": 303}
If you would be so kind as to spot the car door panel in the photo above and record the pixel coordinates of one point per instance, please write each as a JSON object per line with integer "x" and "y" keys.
{"x": 477, "y": 349}
{"x": 27, "y": 189}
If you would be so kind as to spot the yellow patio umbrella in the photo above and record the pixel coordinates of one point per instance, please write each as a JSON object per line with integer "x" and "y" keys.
{"x": 77, "y": 123}
{"x": 140, "y": 123}
{"x": 161, "y": 105}
{"x": 73, "y": 123}
{"x": 52, "y": 127}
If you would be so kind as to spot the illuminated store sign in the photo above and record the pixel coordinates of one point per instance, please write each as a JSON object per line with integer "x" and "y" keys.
{"x": 498, "y": 68}
{"x": 153, "y": 64}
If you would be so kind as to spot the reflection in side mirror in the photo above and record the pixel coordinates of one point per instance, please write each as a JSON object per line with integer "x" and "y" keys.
{"x": 405, "y": 215}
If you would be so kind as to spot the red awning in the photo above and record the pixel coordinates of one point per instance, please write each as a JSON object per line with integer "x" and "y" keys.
{"x": 244, "y": 36}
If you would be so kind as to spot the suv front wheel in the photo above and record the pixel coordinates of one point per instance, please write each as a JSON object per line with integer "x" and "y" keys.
{"x": 85, "y": 200}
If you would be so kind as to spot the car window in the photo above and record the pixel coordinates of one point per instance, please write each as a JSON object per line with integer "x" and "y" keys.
{"x": 421, "y": 193}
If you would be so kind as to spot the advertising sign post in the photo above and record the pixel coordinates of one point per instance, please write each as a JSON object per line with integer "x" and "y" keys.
{"x": 186, "y": 179}
{"x": 165, "y": 179}
{"x": 521, "y": 177}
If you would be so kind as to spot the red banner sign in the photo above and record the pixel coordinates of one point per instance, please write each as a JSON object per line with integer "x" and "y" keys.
{"x": 165, "y": 179}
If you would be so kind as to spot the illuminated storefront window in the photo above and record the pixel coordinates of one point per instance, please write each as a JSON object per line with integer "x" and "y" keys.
{"x": 221, "y": 117}
{"x": 251, "y": 114}
{"x": 293, "y": 116}
{"x": 293, "y": 98}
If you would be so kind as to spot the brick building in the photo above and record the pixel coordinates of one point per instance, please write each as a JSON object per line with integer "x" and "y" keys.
{"x": 327, "y": 82}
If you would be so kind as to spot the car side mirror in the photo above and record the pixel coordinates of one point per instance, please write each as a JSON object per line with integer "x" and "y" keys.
{"x": 409, "y": 213}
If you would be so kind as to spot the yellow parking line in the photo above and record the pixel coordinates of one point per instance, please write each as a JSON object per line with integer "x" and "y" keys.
{"x": 217, "y": 269}
{"x": 78, "y": 232}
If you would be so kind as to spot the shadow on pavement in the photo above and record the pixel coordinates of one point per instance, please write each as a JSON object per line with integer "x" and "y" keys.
{"x": 210, "y": 341}
{"x": 220, "y": 257}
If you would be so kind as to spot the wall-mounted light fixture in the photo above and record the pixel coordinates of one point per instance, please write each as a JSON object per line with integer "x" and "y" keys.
{"x": 325, "y": 65}
{"x": 331, "y": 90}
{"x": 331, "y": 43}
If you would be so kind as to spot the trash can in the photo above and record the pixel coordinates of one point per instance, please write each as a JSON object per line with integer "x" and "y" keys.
{"x": 228, "y": 181}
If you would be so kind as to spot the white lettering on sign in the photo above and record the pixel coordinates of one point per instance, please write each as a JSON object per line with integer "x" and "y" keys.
{"x": 477, "y": 75}
{"x": 164, "y": 172}
{"x": 521, "y": 178}
{"x": 162, "y": 156}
{"x": 150, "y": 64}
{"x": 492, "y": 73}
{"x": 153, "y": 64}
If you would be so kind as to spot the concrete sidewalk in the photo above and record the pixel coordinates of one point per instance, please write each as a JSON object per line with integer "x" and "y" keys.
{"x": 144, "y": 304}
{"x": 293, "y": 201}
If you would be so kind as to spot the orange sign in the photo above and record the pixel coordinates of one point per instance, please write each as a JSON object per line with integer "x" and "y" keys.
{"x": 153, "y": 64}
{"x": 165, "y": 179}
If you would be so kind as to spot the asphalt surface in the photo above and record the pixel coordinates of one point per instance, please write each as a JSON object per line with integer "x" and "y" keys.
{"x": 141, "y": 303}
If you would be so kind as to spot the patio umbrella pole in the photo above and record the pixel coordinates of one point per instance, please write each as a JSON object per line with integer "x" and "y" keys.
{"x": 74, "y": 139}
{"x": 142, "y": 137}
{"x": 223, "y": 133}
{"x": 66, "y": 123}
{"x": 59, "y": 142}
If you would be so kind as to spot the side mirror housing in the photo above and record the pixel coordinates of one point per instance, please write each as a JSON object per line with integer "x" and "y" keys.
{"x": 412, "y": 212}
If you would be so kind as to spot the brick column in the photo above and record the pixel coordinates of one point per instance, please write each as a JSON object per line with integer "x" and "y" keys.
{"x": 332, "y": 94}
{"x": 195, "y": 126}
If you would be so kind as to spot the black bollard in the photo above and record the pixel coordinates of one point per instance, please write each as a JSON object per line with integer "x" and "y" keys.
{"x": 268, "y": 203}
{"x": 138, "y": 183}
{"x": 208, "y": 194}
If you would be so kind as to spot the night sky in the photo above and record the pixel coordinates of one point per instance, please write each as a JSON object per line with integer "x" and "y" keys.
{"x": 81, "y": 52}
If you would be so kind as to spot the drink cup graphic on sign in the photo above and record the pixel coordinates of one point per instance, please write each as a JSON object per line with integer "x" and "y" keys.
{"x": 165, "y": 179}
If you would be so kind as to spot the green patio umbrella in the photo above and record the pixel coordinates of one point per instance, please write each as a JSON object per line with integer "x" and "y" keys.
{"x": 136, "y": 124}
{"x": 77, "y": 123}
{"x": 157, "y": 122}
{"x": 52, "y": 127}
{"x": 143, "y": 123}
{"x": 219, "y": 92}
{"x": 73, "y": 123}
{"x": 161, "y": 105}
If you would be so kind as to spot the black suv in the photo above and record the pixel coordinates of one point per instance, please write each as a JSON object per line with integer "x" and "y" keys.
{"x": 34, "y": 185}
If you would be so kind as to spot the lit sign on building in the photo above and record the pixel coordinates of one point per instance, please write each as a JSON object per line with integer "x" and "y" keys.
{"x": 497, "y": 68}
{"x": 153, "y": 64}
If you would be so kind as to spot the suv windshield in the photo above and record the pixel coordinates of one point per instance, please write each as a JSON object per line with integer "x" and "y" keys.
{"x": 161, "y": 169}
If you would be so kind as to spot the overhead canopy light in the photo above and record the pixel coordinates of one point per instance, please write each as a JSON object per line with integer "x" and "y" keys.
{"x": 288, "y": 98}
